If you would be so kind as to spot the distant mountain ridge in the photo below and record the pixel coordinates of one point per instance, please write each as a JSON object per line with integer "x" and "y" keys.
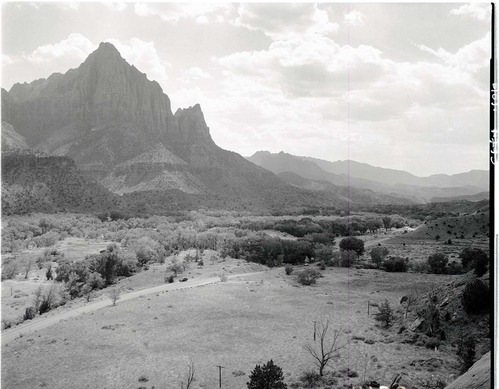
{"x": 364, "y": 176}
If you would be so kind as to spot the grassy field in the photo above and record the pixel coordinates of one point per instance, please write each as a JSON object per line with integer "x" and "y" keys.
{"x": 237, "y": 324}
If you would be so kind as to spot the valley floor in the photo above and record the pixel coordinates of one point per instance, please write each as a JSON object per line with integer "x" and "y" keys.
{"x": 147, "y": 342}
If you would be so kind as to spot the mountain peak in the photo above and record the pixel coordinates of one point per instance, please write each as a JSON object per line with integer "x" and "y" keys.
{"x": 107, "y": 48}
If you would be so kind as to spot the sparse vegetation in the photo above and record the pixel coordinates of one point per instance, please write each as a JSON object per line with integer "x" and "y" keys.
{"x": 475, "y": 297}
{"x": 114, "y": 295}
{"x": 378, "y": 254}
{"x": 268, "y": 376}
{"x": 328, "y": 347}
{"x": 466, "y": 351}
{"x": 385, "y": 314}
{"x": 437, "y": 263}
{"x": 308, "y": 276}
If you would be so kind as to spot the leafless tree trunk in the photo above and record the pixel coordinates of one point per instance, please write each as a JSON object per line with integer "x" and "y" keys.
{"x": 190, "y": 374}
{"x": 29, "y": 263}
{"x": 328, "y": 346}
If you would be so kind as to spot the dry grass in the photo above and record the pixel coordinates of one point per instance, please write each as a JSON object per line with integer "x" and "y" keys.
{"x": 237, "y": 324}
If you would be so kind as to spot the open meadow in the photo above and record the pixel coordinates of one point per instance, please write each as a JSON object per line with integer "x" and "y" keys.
{"x": 147, "y": 342}
{"x": 244, "y": 301}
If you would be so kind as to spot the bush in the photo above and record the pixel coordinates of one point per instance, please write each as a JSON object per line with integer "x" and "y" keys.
{"x": 466, "y": 351}
{"x": 419, "y": 266}
{"x": 311, "y": 379}
{"x": 475, "y": 297}
{"x": 378, "y": 254}
{"x": 9, "y": 271}
{"x": 169, "y": 279}
{"x": 396, "y": 265}
{"x": 308, "y": 276}
{"x": 269, "y": 376}
{"x": 474, "y": 259}
{"x": 437, "y": 263}
{"x": 455, "y": 268}
{"x": 347, "y": 258}
{"x": 29, "y": 313}
{"x": 385, "y": 313}
{"x": 322, "y": 265}
{"x": 352, "y": 244}
{"x": 288, "y": 269}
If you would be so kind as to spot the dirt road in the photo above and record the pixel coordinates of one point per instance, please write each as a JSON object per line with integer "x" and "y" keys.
{"x": 41, "y": 322}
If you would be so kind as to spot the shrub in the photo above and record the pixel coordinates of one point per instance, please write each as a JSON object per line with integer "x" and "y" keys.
{"x": 311, "y": 379}
{"x": 169, "y": 279}
{"x": 419, "y": 266}
{"x": 114, "y": 295}
{"x": 269, "y": 376}
{"x": 475, "y": 297}
{"x": 347, "y": 258}
{"x": 322, "y": 265}
{"x": 9, "y": 271}
{"x": 223, "y": 277}
{"x": 474, "y": 259}
{"x": 378, "y": 254}
{"x": 48, "y": 273}
{"x": 466, "y": 351}
{"x": 385, "y": 313}
{"x": 396, "y": 265}
{"x": 308, "y": 276}
{"x": 437, "y": 263}
{"x": 288, "y": 269}
{"x": 352, "y": 244}
{"x": 455, "y": 268}
{"x": 29, "y": 313}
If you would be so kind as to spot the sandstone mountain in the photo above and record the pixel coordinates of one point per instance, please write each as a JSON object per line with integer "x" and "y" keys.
{"x": 395, "y": 183}
{"x": 119, "y": 129}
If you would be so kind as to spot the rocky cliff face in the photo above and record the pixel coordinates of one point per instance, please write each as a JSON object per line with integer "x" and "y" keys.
{"x": 118, "y": 126}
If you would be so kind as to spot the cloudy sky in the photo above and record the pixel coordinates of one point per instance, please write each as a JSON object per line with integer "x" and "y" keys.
{"x": 394, "y": 85}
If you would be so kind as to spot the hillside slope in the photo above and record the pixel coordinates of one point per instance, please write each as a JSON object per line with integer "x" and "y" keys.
{"x": 37, "y": 183}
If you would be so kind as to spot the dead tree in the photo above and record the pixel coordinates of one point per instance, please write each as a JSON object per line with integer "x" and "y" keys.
{"x": 328, "y": 346}
{"x": 190, "y": 375}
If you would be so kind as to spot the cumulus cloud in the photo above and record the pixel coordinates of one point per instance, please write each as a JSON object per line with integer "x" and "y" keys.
{"x": 75, "y": 46}
{"x": 354, "y": 18}
{"x": 115, "y": 6}
{"x": 73, "y": 50}
{"x": 471, "y": 57}
{"x": 479, "y": 11}
{"x": 279, "y": 23}
{"x": 174, "y": 12}
{"x": 144, "y": 56}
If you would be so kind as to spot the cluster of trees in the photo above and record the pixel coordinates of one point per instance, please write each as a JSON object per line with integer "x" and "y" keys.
{"x": 96, "y": 271}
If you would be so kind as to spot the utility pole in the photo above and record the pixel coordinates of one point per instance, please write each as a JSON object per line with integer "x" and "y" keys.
{"x": 220, "y": 375}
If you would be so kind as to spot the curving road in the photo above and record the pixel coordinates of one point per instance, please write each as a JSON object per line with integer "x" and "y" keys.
{"x": 41, "y": 322}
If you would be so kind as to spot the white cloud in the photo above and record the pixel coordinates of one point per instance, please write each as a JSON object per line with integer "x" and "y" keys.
{"x": 471, "y": 57}
{"x": 7, "y": 60}
{"x": 280, "y": 23}
{"x": 73, "y": 50}
{"x": 479, "y": 11}
{"x": 174, "y": 12}
{"x": 144, "y": 56}
{"x": 354, "y": 18}
{"x": 196, "y": 73}
{"x": 75, "y": 46}
{"x": 115, "y": 6}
